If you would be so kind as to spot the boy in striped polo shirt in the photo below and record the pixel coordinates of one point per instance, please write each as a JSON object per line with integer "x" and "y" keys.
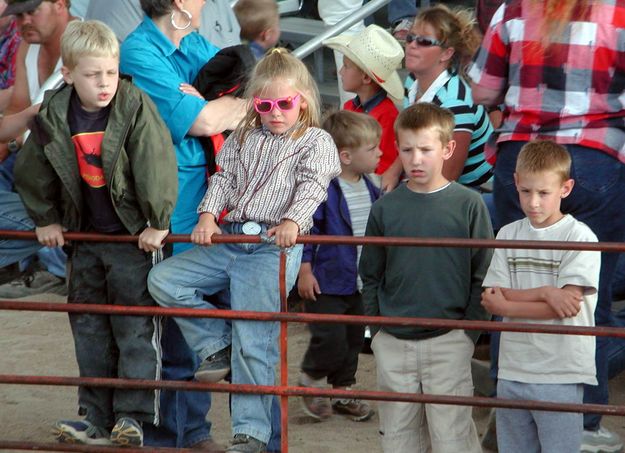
{"x": 549, "y": 287}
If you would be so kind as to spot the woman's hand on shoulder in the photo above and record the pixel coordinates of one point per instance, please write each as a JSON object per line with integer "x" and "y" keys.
{"x": 190, "y": 89}
{"x": 203, "y": 232}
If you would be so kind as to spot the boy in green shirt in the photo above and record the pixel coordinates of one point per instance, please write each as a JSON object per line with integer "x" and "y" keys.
{"x": 429, "y": 282}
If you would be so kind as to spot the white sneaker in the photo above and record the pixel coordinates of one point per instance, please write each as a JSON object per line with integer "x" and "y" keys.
{"x": 601, "y": 441}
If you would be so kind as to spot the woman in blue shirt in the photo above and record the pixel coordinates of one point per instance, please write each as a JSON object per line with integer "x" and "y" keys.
{"x": 161, "y": 54}
{"x": 164, "y": 55}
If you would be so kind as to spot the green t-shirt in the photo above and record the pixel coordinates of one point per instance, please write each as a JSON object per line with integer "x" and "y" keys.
{"x": 428, "y": 282}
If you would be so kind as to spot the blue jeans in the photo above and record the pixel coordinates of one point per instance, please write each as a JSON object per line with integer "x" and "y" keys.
{"x": 597, "y": 200}
{"x": 6, "y": 172}
{"x": 183, "y": 414}
{"x": 250, "y": 272}
{"x": 618, "y": 284}
{"x": 616, "y": 349}
{"x": 276, "y": 427}
{"x": 13, "y": 216}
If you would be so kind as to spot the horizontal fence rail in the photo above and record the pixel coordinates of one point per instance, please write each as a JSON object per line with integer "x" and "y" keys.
{"x": 351, "y": 240}
{"x": 494, "y": 326}
{"x": 291, "y": 391}
{"x": 284, "y": 390}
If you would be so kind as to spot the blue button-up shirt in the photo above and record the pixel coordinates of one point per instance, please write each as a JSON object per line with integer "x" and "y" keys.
{"x": 158, "y": 67}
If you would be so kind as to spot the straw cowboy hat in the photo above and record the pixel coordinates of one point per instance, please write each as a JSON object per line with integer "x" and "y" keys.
{"x": 376, "y": 52}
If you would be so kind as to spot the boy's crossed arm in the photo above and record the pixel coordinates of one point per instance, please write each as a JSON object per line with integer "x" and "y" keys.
{"x": 545, "y": 302}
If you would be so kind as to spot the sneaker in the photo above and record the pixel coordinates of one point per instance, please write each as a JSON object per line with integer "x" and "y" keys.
{"x": 80, "y": 432}
{"x": 242, "y": 443}
{"x": 30, "y": 284}
{"x": 318, "y": 407}
{"x": 402, "y": 28}
{"x": 127, "y": 432}
{"x": 215, "y": 367}
{"x": 357, "y": 410}
{"x": 601, "y": 441}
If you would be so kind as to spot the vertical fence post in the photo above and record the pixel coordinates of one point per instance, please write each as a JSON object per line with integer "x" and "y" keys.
{"x": 284, "y": 366}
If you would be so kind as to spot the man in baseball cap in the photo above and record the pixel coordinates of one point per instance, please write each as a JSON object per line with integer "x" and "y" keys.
{"x": 37, "y": 68}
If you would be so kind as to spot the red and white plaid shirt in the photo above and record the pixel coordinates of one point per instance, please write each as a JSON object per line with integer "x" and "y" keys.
{"x": 573, "y": 92}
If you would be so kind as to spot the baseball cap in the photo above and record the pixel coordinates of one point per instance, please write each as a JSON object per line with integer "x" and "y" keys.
{"x": 20, "y": 6}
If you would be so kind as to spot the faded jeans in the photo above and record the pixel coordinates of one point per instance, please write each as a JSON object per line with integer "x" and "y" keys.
{"x": 13, "y": 216}
{"x": 250, "y": 272}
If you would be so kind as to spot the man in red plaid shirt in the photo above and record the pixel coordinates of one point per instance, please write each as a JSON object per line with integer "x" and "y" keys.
{"x": 558, "y": 68}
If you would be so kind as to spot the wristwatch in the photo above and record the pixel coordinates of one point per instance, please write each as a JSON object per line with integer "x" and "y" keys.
{"x": 13, "y": 146}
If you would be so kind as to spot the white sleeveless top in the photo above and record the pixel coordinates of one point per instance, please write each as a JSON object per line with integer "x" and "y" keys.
{"x": 35, "y": 90}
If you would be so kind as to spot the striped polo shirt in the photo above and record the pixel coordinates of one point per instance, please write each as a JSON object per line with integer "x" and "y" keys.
{"x": 455, "y": 95}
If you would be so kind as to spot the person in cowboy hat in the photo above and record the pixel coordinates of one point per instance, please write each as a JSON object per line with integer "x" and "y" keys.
{"x": 370, "y": 62}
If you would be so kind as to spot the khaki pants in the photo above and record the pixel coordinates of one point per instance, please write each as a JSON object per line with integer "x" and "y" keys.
{"x": 438, "y": 366}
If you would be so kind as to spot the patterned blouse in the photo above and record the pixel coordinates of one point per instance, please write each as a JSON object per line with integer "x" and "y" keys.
{"x": 270, "y": 178}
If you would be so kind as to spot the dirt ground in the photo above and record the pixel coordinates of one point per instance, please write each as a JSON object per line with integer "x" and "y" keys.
{"x": 39, "y": 343}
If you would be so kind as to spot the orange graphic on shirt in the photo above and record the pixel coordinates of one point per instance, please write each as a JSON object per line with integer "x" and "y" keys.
{"x": 88, "y": 148}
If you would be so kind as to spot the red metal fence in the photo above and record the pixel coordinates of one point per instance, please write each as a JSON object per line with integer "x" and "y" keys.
{"x": 284, "y": 317}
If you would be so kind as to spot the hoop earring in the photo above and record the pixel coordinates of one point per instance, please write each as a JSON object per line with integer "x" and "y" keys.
{"x": 173, "y": 19}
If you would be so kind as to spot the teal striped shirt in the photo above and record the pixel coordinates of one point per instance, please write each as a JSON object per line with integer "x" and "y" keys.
{"x": 455, "y": 95}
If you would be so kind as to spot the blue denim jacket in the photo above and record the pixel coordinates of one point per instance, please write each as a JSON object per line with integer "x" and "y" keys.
{"x": 335, "y": 266}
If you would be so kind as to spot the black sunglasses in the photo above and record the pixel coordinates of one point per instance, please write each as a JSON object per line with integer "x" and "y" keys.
{"x": 422, "y": 41}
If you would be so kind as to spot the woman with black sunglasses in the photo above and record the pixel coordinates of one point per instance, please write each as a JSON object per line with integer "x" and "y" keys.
{"x": 439, "y": 44}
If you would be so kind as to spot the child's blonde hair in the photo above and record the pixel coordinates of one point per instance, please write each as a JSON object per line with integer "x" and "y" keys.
{"x": 352, "y": 130}
{"x": 425, "y": 115}
{"x": 456, "y": 29}
{"x": 280, "y": 64}
{"x": 544, "y": 155}
{"x": 256, "y": 16}
{"x": 90, "y": 38}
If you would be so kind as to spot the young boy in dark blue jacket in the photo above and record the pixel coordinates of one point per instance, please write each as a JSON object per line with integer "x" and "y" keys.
{"x": 328, "y": 277}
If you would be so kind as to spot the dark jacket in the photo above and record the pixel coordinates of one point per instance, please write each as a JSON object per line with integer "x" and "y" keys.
{"x": 226, "y": 73}
{"x": 335, "y": 266}
{"x": 138, "y": 160}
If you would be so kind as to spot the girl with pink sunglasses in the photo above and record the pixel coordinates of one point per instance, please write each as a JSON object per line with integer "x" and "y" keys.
{"x": 275, "y": 171}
